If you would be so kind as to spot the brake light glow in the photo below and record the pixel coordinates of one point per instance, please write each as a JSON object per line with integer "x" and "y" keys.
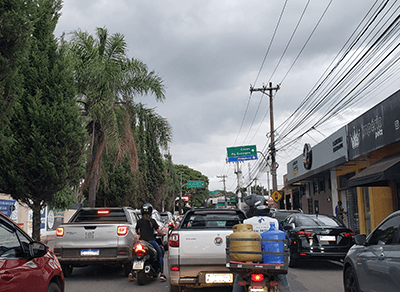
{"x": 103, "y": 212}
{"x": 174, "y": 240}
{"x": 175, "y": 268}
{"x": 348, "y": 234}
{"x": 140, "y": 249}
{"x": 308, "y": 234}
{"x": 170, "y": 223}
{"x": 122, "y": 230}
{"x": 257, "y": 277}
{"x": 60, "y": 231}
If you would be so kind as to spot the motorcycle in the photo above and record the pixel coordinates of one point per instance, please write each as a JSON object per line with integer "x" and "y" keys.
{"x": 145, "y": 263}
{"x": 259, "y": 280}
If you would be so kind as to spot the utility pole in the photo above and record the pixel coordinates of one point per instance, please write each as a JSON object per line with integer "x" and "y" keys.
{"x": 238, "y": 173}
{"x": 268, "y": 91}
{"x": 223, "y": 179}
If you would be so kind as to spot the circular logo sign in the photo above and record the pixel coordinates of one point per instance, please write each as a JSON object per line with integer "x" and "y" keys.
{"x": 218, "y": 241}
{"x": 307, "y": 156}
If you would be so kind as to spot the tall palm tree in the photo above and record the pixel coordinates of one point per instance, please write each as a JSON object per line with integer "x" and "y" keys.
{"x": 106, "y": 78}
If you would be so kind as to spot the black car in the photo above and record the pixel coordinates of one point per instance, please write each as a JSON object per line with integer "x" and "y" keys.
{"x": 282, "y": 214}
{"x": 314, "y": 236}
{"x": 373, "y": 263}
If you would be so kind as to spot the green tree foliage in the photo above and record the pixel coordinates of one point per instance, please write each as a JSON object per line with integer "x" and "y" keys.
{"x": 46, "y": 133}
{"x": 197, "y": 195}
{"x": 105, "y": 79}
{"x": 15, "y": 29}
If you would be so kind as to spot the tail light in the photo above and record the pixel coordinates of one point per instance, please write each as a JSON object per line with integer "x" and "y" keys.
{"x": 140, "y": 249}
{"x": 175, "y": 268}
{"x": 308, "y": 234}
{"x": 257, "y": 277}
{"x": 170, "y": 223}
{"x": 122, "y": 230}
{"x": 60, "y": 231}
{"x": 103, "y": 212}
{"x": 348, "y": 234}
{"x": 174, "y": 240}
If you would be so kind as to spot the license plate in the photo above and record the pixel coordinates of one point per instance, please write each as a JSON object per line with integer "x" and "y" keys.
{"x": 327, "y": 238}
{"x": 90, "y": 252}
{"x": 138, "y": 265}
{"x": 219, "y": 278}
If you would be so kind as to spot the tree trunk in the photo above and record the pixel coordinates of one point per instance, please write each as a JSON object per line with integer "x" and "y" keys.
{"x": 36, "y": 221}
{"x": 97, "y": 150}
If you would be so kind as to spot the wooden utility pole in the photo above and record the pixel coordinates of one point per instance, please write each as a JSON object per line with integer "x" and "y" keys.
{"x": 223, "y": 179}
{"x": 269, "y": 91}
{"x": 238, "y": 173}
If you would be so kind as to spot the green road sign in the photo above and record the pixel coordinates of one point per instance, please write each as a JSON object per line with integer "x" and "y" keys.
{"x": 242, "y": 153}
{"x": 214, "y": 192}
{"x": 195, "y": 184}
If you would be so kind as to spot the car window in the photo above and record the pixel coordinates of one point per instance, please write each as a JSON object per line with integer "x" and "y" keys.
{"x": 317, "y": 221}
{"x": 10, "y": 246}
{"x": 385, "y": 233}
{"x": 209, "y": 221}
{"x": 95, "y": 215}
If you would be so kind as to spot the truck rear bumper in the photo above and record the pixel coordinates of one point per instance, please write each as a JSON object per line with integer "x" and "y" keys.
{"x": 196, "y": 276}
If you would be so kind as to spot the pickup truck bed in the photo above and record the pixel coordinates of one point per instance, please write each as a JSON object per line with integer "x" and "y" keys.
{"x": 197, "y": 255}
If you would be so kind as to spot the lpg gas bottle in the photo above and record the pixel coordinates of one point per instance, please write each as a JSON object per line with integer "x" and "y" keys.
{"x": 245, "y": 231}
{"x": 273, "y": 246}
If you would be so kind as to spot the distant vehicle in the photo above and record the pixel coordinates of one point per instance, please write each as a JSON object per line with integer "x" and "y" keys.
{"x": 26, "y": 265}
{"x": 314, "y": 236}
{"x": 373, "y": 263}
{"x": 167, "y": 218}
{"x": 282, "y": 214}
{"x": 97, "y": 236}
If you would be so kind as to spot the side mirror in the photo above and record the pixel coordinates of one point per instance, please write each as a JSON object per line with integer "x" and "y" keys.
{"x": 37, "y": 249}
{"x": 360, "y": 239}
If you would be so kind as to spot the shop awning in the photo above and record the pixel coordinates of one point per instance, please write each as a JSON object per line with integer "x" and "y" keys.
{"x": 379, "y": 173}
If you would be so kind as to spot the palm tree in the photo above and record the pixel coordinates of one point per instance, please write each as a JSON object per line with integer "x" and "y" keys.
{"x": 106, "y": 78}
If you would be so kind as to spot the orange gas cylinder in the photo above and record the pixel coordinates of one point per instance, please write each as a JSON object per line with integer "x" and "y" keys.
{"x": 245, "y": 231}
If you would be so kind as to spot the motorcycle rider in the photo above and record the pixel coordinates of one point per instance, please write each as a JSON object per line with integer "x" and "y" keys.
{"x": 145, "y": 228}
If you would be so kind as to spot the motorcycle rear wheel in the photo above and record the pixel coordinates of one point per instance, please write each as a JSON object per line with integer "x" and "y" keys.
{"x": 141, "y": 278}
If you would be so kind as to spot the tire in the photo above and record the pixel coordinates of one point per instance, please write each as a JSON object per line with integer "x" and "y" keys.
{"x": 141, "y": 278}
{"x": 350, "y": 281}
{"x": 173, "y": 288}
{"x": 67, "y": 270}
{"x": 53, "y": 287}
{"x": 127, "y": 268}
{"x": 293, "y": 262}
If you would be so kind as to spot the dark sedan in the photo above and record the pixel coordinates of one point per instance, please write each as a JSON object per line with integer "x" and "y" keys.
{"x": 373, "y": 263}
{"x": 320, "y": 237}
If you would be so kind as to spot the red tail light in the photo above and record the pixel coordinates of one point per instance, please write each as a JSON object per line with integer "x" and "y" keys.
{"x": 140, "y": 249}
{"x": 308, "y": 234}
{"x": 60, "y": 231}
{"x": 170, "y": 223}
{"x": 257, "y": 277}
{"x": 175, "y": 268}
{"x": 348, "y": 234}
{"x": 174, "y": 240}
{"x": 122, "y": 230}
{"x": 103, "y": 212}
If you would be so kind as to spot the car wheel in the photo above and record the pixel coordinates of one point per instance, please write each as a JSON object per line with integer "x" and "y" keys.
{"x": 127, "y": 267}
{"x": 173, "y": 288}
{"x": 53, "y": 287}
{"x": 350, "y": 280}
{"x": 67, "y": 270}
{"x": 293, "y": 262}
{"x": 141, "y": 278}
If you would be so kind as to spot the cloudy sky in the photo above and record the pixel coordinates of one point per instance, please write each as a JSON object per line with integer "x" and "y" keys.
{"x": 209, "y": 52}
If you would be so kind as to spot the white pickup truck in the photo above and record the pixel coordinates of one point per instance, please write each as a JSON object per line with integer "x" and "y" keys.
{"x": 197, "y": 256}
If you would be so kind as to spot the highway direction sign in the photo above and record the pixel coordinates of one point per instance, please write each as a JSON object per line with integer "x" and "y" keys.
{"x": 242, "y": 153}
{"x": 195, "y": 184}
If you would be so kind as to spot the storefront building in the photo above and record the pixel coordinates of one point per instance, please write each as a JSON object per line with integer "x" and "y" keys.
{"x": 361, "y": 163}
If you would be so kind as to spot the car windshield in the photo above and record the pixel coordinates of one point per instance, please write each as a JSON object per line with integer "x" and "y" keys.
{"x": 317, "y": 221}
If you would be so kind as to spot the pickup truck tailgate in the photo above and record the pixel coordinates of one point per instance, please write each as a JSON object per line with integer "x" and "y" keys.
{"x": 90, "y": 235}
{"x": 196, "y": 246}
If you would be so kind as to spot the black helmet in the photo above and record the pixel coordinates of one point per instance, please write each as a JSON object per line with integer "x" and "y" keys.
{"x": 147, "y": 208}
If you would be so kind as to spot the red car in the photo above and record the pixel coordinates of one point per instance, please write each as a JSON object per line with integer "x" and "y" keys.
{"x": 26, "y": 265}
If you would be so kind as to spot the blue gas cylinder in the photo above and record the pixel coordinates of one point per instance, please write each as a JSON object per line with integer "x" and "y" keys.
{"x": 273, "y": 246}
